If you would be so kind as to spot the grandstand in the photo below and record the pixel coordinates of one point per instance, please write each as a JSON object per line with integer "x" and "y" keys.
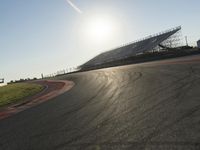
{"x": 163, "y": 40}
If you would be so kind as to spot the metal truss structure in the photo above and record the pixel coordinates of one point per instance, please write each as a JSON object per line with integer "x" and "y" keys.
{"x": 157, "y": 42}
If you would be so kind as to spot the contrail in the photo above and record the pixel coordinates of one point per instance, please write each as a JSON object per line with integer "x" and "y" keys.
{"x": 74, "y": 6}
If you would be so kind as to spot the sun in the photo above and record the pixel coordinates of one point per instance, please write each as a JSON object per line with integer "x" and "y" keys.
{"x": 99, "y": 29}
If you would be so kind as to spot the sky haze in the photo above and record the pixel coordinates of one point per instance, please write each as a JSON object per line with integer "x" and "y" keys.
{"x": 44, "y": 36}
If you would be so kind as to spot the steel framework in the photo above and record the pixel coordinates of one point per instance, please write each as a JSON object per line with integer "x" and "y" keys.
{"x": 156, "y": 42}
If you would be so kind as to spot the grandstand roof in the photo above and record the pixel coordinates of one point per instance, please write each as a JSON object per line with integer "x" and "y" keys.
{"x": 132, "y": 49}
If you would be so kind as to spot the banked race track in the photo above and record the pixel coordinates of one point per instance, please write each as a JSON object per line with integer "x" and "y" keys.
{"x": 154, "y": 105}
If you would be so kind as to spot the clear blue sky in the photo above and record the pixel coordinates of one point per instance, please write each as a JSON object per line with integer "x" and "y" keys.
{"x": 43, "y": 36}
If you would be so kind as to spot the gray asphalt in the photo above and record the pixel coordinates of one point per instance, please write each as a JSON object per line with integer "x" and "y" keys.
{"x": 146, "y": 106}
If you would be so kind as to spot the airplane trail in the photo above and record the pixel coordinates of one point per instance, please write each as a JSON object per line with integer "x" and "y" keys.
{"x": 74, "y": 7}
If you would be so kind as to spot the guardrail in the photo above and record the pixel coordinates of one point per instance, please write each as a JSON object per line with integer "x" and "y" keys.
{"x": 61, "y": 72}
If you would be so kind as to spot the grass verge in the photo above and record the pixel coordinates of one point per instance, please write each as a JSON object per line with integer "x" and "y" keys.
{"x": 14, "y": 93}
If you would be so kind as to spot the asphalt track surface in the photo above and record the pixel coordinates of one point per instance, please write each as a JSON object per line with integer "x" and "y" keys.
{"x": 145, "y": 106}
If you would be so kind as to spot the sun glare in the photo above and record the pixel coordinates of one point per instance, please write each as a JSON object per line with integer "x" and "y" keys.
{"x": 99, "y": 29}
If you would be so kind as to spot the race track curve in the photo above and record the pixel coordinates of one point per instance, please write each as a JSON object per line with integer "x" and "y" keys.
{"x": 153, "y": 105}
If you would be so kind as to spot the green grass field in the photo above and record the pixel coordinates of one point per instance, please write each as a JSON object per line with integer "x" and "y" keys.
{"x": 14, "y": 93}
